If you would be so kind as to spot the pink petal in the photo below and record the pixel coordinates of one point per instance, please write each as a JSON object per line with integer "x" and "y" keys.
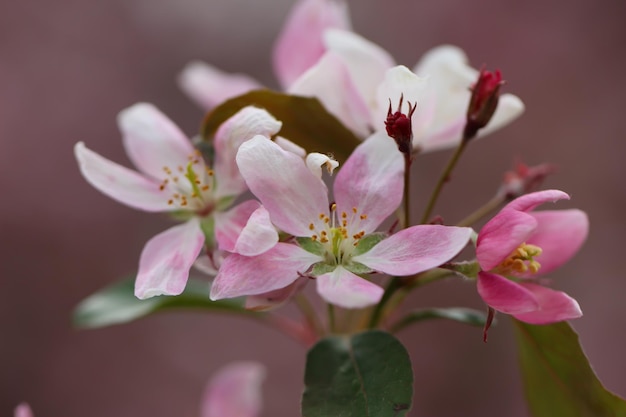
{"x": 166, "y": 259}
{"x": 209, "y": 87}
{"x": 251, "y": 275}
{"x": 288, "y": 145}
{"x": 502, "y": 235}
{"x": 293, "y": 196}
{"x": 367, "y": 62}
{"x": 554, "y": 306}
{"x": 274, "y": 299}
{"x": 560, "y": 234}
{"x": 234, "y": 391}
{"x": 23, "y": 410}
{"x": 505, "y": 295}
{"x": 416, "y": 249}
{"x": 529, "y": 201}
{"x": 371, "y": 180}
{"x": 258, "y": 236}
{"x": 152, "y": 141}
{"x": 345, "y": 289}
{"x": 229, "y": 224}
{"x": 299, "y": 44}
{"x": 120, "y": 183}
{"x": 244, "y": 125}
{"x": 330, "y": 82}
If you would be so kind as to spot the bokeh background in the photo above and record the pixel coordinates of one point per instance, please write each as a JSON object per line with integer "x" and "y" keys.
{"x": 67, "y": 67}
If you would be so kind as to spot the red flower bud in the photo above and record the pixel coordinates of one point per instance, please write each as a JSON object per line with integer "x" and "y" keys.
{"x": 483, "y": 102}
{"x": 399, "y": 126}
{"x": 524, "y": 179}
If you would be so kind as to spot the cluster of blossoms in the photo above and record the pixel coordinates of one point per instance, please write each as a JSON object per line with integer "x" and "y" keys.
{"x": 269, "y": 247}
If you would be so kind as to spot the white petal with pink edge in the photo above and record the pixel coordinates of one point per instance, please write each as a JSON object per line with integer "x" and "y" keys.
{"x": 371, "y": 180}
{"x": 152, "y": 141}
{"x": 229, "y": 224}
{"x": 345, "y": 289}
{"x": 259, "y": 234}
{"x": 300, "y": 44}
{"x": 166, "y": 259}
{"x": 416, "y": 249}
{"x": 242, "y": 126}
{"x": 294, "y": 197}
{"x": 251, "y": 275}
{"x": 234, "y": 391}
{"x": 120, "y": 183}
{"x": 209, "y": 86}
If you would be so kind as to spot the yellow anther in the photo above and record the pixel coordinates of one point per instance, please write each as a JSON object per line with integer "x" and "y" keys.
{"x": 354, "y": 210}
{"x": 363, "y": 216}
{"x": 344, "y": 215}
{"x": 314, "y": 237}
{"x": 322, "y": 215}
{"x": 170, "y": 202}
{"x": 521, "y": 260}
{"x": 162, "y": 187}
{"x": 333, "y": 207}
{"x": 324, "y": 233}
{"x": 180, "y": 169}
{"x": 205, "y": 187}
{"x": 311, "y": 226}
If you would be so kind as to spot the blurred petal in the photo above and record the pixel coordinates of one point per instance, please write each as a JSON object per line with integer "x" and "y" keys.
{"x": 274, "y": 299}
{"x": 300, "y": 44}
{"x": 252, "y": 275}
{"x": 244, "y": 125}
{"x": 371, "y": 180}
{"x": 120, "y": 183}
{"x": 345, "y": 289}
{"x": 209, "y": 263}
{"x": 553, "y": 306}
{"x": 166, "y": 259}
{"x": 229, "y": 224}
{"x": 23, "y": 410}
{"x": 209, "y": 87}
{"x": 316, "y": 161}
{"x": 234, "y": 391}
{"x": 293, "y": 196}
{"x": 530, "y": 201}
{"x": 560, "y": 234}
{"x": 289, "y": 146}
{"x": 398, "y": 82}
{"x": 505, "y": 295}
{"x": 330, "y": 82}
{"x": 258, "y": 236}
{"x": 366, "y": 61}
{"x": 152, "y": 141}
{"x": 416, "y": 249}
{"x": 501, "y": 235}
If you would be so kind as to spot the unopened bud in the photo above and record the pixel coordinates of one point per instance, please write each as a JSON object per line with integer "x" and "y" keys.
{"x": 483, "y": 102}
{"x": 524, "y": 179}
{"x": 399, "y": 126}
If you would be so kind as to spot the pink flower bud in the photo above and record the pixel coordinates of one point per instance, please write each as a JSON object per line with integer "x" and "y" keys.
{"x": 399, "y": 126}
{"x": 483, "y": 102}
{"x": 524, "y": 179}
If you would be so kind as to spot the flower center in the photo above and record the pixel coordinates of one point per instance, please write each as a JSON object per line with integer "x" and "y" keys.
{"x": 521, "y": 260}
{"x": 189, "y": 187}
{"x": 340, "y": 233}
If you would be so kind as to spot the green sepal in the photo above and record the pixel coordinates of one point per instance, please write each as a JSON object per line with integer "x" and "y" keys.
{"x": 468, "y": 268}
{"x": 117, "y": 304}
{"x": 358, "y": 268}
{"x": 310, "y": 245}
{"x": 361, "y": 375}
{"x": 207, "y": 225}
{"x": 322, "y": 268}
{"x": 367, "y": 242}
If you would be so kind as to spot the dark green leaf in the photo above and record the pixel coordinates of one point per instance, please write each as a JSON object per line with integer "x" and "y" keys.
{"x": 460, "y": 314}
{"x": 557, "y": 376}
{"x": 117, "y": 304}
{"x": 305, "y": 121}
{"x": 363, "y": 375}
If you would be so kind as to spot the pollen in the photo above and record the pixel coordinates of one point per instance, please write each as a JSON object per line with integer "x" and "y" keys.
{"x": 521, "y": 260}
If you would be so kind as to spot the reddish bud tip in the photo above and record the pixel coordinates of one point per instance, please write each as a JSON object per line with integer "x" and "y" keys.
{"x": 399, "y": 127}
{"x": 524, "y": 179}
{"x": 483, "y": 102}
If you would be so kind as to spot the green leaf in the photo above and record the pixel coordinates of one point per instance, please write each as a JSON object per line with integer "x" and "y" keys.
{"x": 363, "y": 375}
{"x": 557, "y": 376}
{"x": 305, "y": 121}
{"x": 117, "y": 304}
{"x": 460, "y": 314}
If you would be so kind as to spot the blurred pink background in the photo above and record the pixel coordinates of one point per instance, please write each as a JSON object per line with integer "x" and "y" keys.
{"x": 67, "y": 67}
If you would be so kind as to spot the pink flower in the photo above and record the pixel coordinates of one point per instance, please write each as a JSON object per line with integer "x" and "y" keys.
{"x": 234, "y": 391}
{"x": 519, "y": 244}
{"x": 173, "y": 177}
{"x": 334, "y": 243}
{"x": 23, "y": 410}
{"x": 297, "y": 48}
{"x": 355, "y": 79}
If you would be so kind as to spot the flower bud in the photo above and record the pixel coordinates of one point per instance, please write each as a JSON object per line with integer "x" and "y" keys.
{"x": 524, "y": 179}
{"x": 483, "y": 102}
{"x": 399, "y": 126}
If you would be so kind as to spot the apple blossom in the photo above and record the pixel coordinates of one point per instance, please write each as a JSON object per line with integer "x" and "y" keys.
{"x": 23, "y": 410}
{"x": 520, "y": 244}
{"x": 297, "y": 48}
{"x": 334, "y": 243}
{"x": 356, "y": 79}
{"x": 234, "y": 391}
{"x": 174, "y": 178}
